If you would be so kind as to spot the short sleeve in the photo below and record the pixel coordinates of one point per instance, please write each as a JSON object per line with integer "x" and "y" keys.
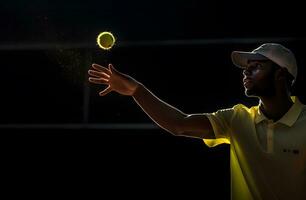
{"x": 220, "y": 122}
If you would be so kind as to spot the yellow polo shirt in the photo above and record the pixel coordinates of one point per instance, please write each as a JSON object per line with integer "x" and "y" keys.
{"x": 268, "y": 159}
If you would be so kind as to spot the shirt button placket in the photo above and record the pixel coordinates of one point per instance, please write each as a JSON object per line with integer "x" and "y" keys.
{"x": 270, "y": 132}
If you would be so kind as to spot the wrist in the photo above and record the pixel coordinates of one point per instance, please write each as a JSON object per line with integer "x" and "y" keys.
{"x": 137, "y": 89}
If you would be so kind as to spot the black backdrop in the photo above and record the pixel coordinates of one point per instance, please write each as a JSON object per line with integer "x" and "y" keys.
{"x": 59, "y": 136}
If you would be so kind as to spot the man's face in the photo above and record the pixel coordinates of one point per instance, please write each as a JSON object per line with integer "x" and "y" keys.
{"x": 258, "y": 78}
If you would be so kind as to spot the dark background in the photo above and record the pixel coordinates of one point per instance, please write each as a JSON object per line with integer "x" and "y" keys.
{"x": 60, "y": 137}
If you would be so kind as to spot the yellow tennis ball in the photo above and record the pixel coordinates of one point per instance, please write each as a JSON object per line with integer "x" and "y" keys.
{"x": 106, "y": 40}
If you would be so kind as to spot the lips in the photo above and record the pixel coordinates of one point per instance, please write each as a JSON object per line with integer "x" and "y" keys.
{"x": 247, "y": 82}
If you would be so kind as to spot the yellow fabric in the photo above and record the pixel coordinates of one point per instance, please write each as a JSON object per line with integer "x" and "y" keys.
{"x": 268, "y": 159}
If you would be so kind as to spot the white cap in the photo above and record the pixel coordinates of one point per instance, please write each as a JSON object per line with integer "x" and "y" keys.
{"x": 271, "y": 51}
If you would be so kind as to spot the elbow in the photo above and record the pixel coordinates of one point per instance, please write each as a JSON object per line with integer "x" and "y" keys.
{"x": 179, "y": 126}
{"x": 177, "y": 129}
{"x": 174, "y": 129}
{"x": 175, "y": 132}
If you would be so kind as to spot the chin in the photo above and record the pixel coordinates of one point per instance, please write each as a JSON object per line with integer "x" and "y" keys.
{"x": 249, "y": 93}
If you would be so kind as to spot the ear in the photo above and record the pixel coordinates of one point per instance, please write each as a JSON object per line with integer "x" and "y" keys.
{"x": 281, "y": 74}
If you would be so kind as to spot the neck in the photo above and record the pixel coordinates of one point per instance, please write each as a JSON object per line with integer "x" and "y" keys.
{"x": 275, "y": 107}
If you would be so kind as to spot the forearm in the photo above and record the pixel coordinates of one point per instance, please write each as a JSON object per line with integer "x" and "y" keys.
{"x": 163, "y": 114}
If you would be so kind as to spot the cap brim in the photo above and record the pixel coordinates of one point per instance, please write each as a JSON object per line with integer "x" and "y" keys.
{"x": 241, "y": 58}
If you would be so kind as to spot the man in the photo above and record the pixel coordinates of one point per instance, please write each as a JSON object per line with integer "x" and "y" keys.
{"x": 267, "y": 142}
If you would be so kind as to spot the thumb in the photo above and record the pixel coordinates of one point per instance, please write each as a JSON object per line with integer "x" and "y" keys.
{"x": 106, "y": 91}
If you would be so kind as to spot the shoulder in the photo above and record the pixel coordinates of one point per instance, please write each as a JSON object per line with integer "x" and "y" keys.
{"x": 235, "y": 108}
{"x": 237, "y": 111}
{"x": 303, "y": 112}
{"x": 300, "y": 107}
{"x": 241, "y": 108}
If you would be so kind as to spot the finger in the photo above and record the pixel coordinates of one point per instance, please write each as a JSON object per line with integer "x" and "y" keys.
{"x": 99, "y": 80}
{"x": 112, "y": 68}
{"x": 101, "y": 69}
{"x": 106, "y": 91}
{"x": 98, "y": 74}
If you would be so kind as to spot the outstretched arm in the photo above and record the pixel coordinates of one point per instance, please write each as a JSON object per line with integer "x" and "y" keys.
{"x": 171, "y": 118}
{"x": 163, "y": 114}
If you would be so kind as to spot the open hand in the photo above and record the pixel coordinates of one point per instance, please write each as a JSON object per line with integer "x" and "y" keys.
{"x": 115, "y": 80}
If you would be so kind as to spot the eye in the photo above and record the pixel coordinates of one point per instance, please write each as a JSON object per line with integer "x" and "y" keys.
{"x": 258, "y": 65}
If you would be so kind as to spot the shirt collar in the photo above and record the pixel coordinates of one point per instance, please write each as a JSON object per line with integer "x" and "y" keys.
{"x": 289, "y": 118}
